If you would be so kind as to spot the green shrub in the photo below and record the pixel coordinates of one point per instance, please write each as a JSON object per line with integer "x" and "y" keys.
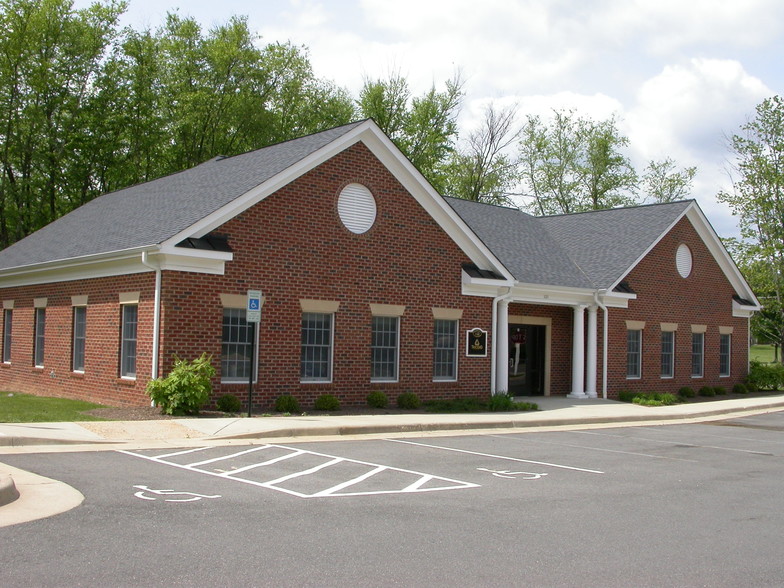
{"x": 377, "y": 399}
{"x": 500, "y": 403}
{"x": 408, "y": 400}
{"x": 328, "y": 402}
{"x": 187, "y": 387}
{"x": 768, "y": 376}
{"x": 286, "y": 403}
{"x": 740, "y": 389}
{"x": 687, "y": 392}
{"x": 456, "y": 405}
{"x": 707, "y": 391}
{"x": 751, "y": 387}
{"x": 655, "y": 399}
{"x": 720, "y": 390}
{"x": 626, "y": 395}
{"x": 229, "y": 403}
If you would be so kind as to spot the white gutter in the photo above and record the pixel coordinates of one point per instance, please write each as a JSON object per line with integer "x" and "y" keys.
{"x": 493, "y": 367}
{"x": 604, "y": 341}
{"x": 156, "y": 329}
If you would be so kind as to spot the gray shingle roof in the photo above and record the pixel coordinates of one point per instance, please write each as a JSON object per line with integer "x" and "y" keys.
{"x": 148, "y": 214}
{"x": 586, "y": 250}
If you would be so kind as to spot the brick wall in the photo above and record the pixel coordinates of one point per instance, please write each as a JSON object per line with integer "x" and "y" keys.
{"x": 101, "y": 380}
{"x": 293, "y": 246}
{"x": 663, "y": 296}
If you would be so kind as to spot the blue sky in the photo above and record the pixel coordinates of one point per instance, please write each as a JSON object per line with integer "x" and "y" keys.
{"x": 680, "y": 75}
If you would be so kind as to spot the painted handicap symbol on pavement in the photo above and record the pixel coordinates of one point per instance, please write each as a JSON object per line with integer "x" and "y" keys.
{"x": 161, "y": 493}
{"x": 512, "y": 475}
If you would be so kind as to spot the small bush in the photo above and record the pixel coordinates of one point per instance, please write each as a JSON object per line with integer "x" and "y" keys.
{"x": 506, "y": 403}
{"x": 655, "y": 399}
{"x": 740, "y": 389}
{"x": 626, "y": 395}
{"x": 707, "y": 391}
{"x": 187, "y": 387}
{"x": 687, "y": 392}
{"x": 229, "y": 403}
{"x": 751, "y": 387}
{"x": 720, "y": 390}
{"x": 377, "y": 399}
{"x": 287, "y": 403}
{"x": 766, "y": 376}
{"x": 456, "y": 405}
{"x": 328, "y": 402}
{"x": 408, "y": 400}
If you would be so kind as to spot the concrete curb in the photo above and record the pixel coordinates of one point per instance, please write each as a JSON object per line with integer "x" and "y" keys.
{"x": 8, "y": 491}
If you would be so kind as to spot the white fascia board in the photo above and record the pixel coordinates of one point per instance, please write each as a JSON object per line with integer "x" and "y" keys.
{"x": 546, "y": 295}
{"x": 742, "y": 311}
{"x": 84, "y": 268}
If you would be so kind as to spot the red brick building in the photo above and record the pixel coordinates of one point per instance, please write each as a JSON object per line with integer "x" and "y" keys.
{"x": 370, "y": 280}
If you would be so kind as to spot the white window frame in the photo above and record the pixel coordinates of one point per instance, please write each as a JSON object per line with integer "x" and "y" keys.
{"x": 638, "y": 352}
{"x": 375, "y": 349}
{"x": 728, "y": 372}
{"x": 8, "y": 322}
{"x": 445, "y": 350}
{"x": 316, "y": 346}
{"x": 79, "y": 339}
{"x": 668, "y": 358}
{"x": 39, "y": 337}
{"x": 126, "y": 340}
{"x": 698, "y": 336}
{"x": 238, "y": 313}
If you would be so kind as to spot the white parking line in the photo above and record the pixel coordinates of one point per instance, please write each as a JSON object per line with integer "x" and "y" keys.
{"x": 504, "y": 457}
{"x": 679, "y": 443}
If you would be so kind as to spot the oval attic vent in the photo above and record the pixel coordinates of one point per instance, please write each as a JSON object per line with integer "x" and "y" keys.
{"x": 683, "y": 260}
{"x": 357, "y": 208}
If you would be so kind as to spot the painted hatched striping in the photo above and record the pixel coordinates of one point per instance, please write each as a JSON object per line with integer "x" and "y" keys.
{"x": 400, "y": 479}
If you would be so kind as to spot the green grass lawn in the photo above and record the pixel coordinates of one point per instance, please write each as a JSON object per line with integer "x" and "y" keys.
{"x": 763, "y": 353}
{"x": 23, "y": 408}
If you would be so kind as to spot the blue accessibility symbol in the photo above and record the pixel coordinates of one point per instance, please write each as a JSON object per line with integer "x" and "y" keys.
{"x": 253, "y": 304}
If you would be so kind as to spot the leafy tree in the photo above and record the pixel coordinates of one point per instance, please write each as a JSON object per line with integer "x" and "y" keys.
{"x": 481, "y": 169}
{"x": 424, "y": 128}
{"x": 663, "y": 182}
{"x": 574, "y": 164}
{"x": 757, "y": 199}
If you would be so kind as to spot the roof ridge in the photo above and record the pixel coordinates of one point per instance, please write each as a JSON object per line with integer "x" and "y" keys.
{"x": 607, "y": 210}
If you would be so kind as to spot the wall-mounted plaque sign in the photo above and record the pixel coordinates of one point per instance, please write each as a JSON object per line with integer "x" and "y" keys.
{"x": 476, "y": 343}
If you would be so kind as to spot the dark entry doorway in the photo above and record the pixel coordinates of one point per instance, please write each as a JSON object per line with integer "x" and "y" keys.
{"x": 526, "y": 359}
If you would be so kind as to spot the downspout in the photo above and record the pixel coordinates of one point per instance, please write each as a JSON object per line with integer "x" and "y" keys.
{"x": 493, "y": 352}
{"x": 604, "y": 341}
{"x": 156, "y": 327}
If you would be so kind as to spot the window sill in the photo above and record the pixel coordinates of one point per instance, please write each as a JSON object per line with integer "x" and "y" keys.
{"x": 123, "y": 381}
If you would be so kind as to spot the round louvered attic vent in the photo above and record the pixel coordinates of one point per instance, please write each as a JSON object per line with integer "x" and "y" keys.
{"x": 357, "y": 208}
{"x": 683, "y": 260}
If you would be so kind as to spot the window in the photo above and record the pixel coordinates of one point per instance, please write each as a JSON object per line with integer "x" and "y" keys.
{"x": 236, "y": 346}
{"x": 130, "y": 317}
{"x": 316, "y": 347}
{"x": 633, "y": 354}
{"x": 668, "y": 354}
{"x": 445, "y": 350}
{"x": 725, "y": 345}
{"x": 384, "y": 348}
{"x": 697, "y": 354}
{"x": 79, "y": 337}
{"x": 7, "y": 316}
{"x": 40, "y": 336}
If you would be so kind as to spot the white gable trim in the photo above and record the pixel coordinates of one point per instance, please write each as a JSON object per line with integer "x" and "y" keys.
{"x": 391, "y": 157}
{"x": 712, "y": 241}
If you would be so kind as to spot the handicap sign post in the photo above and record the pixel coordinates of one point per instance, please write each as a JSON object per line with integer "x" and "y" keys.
{"x": 253, "y": 317}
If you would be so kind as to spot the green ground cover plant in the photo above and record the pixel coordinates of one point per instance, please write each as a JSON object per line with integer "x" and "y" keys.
{"x": 650, "y": 398}
{"x": 497, "y": 403}
{"x": 24, "y": 408}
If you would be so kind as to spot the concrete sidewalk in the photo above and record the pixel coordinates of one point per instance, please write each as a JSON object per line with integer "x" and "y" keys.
{"x": 553, "y": 412}
{"x": 25, "y": 496}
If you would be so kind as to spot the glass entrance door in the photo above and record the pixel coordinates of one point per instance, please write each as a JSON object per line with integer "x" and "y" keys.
{"x": 526, "y": 359}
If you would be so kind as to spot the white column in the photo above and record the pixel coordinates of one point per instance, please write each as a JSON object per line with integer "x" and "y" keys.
{"x": 578, "y": 353}
{"x": 590, "y": 356}
{"x": 502, "y": 348}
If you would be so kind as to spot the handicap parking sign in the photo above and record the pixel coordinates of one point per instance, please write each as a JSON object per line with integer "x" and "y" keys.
{"x": 253, "y": 309}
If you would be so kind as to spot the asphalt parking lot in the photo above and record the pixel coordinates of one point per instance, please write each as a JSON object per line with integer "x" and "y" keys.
{"x": 676, "y": 505}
